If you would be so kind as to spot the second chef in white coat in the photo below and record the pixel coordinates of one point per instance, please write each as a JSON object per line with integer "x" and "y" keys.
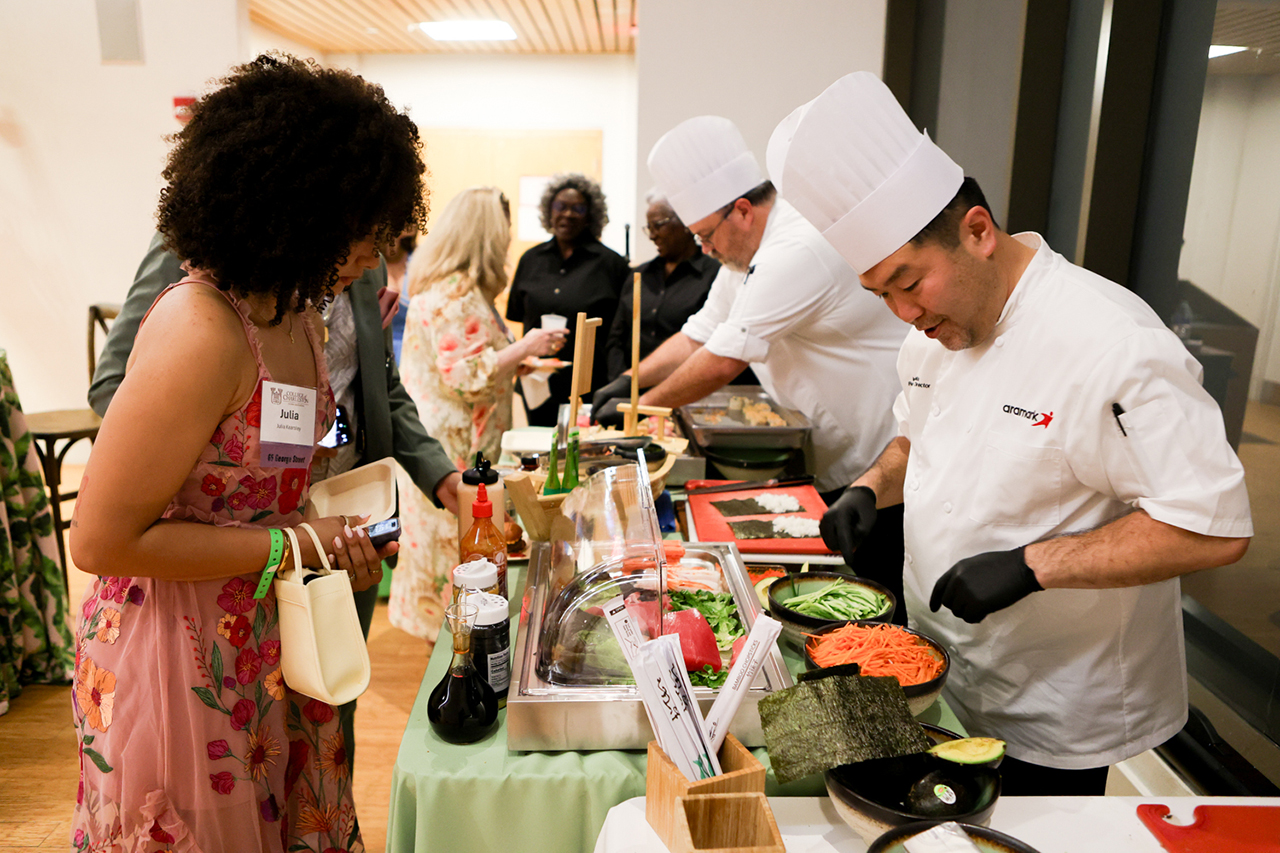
{"x": 1059, "y": 461}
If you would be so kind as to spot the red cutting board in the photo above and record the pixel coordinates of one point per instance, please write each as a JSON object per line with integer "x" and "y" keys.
{"x": 1217, "y": 829}
{"x": 714, "y": 527}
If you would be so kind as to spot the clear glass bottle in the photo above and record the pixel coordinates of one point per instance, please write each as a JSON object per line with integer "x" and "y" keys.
{"x": 463, "y": 707}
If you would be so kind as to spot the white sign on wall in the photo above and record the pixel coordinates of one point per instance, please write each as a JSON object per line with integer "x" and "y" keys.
{"x": 528, "y": 217}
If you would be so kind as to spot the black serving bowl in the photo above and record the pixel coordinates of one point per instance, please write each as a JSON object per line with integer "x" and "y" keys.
{"x": 878, "y": 795}
{"x": 795, "y": 626}
{"x": 985, "y": 838}
{"x": 919, "y": 696}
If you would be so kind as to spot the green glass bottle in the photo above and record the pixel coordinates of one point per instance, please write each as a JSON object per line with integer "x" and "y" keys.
{"x": 552, "y": 486}
{"x": 570, "y": 480}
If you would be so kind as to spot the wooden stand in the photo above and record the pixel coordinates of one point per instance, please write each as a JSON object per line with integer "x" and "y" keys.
{"x": 725, "y": 823}
{"x": 664, "y": 784}
{"x": 633, "y": 418}
{"x": 584, "y": 352}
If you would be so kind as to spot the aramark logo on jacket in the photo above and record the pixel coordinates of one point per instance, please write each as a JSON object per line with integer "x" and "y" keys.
{"x": 1040, "y": 419}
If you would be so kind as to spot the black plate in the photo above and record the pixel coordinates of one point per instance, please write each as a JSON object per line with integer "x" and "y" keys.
{"x": 988, "y": 840}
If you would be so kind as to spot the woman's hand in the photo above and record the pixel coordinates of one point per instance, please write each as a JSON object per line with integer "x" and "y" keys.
{"x": 346, "y": 548}
{"x": 543, "y": 342}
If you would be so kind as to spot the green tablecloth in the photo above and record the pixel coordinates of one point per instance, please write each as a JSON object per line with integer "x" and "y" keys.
{"x": 483, "y": 797}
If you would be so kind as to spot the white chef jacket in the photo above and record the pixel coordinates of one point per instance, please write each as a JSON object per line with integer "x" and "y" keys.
{"x": 1015, "y": 441}
{"x": 818, "y": 342}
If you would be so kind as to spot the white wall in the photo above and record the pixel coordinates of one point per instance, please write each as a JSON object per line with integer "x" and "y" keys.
{"x": 1232, "y": 233}
{"x": 525, "y": 92}
{"x": 81, "y": 150}
{"x": 752, "y": 61}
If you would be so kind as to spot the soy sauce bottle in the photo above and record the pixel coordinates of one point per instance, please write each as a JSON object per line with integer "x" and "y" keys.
{"x": 463, "y": 707}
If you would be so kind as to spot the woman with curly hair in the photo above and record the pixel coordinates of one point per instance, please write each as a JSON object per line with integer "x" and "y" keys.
{"x": 571, "y": 272}
{"x": 279, "y": 188}
{"x": 459, "y": 365}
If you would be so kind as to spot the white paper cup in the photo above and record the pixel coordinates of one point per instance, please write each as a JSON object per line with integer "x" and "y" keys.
{"x": 554, "y": 321}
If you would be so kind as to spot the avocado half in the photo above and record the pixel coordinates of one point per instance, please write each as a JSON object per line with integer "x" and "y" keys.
{"x": 970, "y": 750}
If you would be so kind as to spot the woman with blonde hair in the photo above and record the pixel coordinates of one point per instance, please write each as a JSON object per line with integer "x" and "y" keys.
{"x": 459, "y": 365}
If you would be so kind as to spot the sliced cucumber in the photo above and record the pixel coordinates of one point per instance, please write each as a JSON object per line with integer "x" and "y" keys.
{"x": 970, "y": 750}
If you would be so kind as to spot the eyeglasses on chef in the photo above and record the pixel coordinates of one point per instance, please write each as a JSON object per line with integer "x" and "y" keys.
{"x": 703, "y": 239}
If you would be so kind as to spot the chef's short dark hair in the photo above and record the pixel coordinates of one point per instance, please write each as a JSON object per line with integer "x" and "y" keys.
{"x": 944, "y": 229}
{"x": 757, "y": 195}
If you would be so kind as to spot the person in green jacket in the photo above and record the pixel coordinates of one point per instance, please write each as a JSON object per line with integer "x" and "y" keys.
{"x": 362, "y": 373}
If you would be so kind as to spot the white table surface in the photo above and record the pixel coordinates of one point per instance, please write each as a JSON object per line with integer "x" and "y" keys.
{"x": 1049, "y": 824}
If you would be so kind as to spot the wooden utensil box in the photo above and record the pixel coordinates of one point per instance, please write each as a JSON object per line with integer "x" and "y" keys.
{"x": 664, "y": 783}
{"x": 725, "y": 823}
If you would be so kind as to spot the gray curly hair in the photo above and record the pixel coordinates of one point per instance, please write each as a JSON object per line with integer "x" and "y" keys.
{"x": 597, "y": 208}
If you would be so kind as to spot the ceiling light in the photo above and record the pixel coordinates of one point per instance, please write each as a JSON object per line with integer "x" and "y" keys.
{"x": 1216, "y": 50}
{"x": 468, "y": 30}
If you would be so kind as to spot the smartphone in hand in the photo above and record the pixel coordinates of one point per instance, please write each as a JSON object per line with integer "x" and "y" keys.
{"x": 382, "y": 532}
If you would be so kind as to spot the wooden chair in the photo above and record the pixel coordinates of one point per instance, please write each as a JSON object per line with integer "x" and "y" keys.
{"x": 66, "y": 427}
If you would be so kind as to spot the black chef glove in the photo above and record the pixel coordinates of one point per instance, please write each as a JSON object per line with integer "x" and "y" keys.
{"x": 978, "y": 586}
{"x": 848, "y": 521}
{"x": 604, "y": 402}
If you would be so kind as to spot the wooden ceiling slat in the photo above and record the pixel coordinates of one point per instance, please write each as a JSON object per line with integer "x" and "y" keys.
{"x": 530, "y": 38}
{"x": 542, "y": 26}
{"x": 338, "y": 35}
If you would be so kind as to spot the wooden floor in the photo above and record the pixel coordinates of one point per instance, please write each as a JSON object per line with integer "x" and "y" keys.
{"x": 38, "y": 771}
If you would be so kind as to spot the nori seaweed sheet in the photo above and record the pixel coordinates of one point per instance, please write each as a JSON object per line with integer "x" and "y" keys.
{"x": 755, "y": 528}
{"x": 734, "y": 507}
{"x": 821, "y": 724}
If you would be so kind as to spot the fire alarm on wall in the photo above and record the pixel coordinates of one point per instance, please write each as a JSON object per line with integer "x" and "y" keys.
{"x": 182, "y": 108}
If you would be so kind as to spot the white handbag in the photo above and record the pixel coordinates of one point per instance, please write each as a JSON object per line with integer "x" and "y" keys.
{"x": 322, "y": 649}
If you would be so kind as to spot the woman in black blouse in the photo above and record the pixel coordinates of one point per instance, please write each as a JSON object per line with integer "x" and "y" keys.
{"x": 571, "y": 272}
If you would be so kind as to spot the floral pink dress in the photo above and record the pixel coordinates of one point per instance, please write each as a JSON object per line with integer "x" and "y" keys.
{"x": 189, "y": 738}
{"x": 449, "y": 365}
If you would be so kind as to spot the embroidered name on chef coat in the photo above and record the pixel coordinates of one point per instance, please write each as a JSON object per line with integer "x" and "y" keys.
{"x": 288, "y": 425}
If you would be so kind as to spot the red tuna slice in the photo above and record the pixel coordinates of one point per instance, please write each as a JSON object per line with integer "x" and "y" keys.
{"x": 697, "y": 640}
{"x": 644, "y": 613}
{"x": 737, "y": 649}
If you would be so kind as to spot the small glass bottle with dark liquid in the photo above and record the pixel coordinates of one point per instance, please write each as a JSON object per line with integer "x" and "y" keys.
{"x": 463, "y": 707}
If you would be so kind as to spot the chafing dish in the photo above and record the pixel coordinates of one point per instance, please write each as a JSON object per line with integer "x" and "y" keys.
{"x": 712, "y": 422}
{"x": 557, "y": 703}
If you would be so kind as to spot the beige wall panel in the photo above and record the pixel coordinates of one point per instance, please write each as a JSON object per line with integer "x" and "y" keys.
{"x": 459, "y": 158}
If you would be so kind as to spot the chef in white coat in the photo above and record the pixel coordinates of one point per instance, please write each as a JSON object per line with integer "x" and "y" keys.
{"x": 1060, "y": 464}
{"x": 784, "y": 303}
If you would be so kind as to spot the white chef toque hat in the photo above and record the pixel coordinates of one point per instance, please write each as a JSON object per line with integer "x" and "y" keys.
{"x": 701, "y": 165}
{"x": 855, "y": 166}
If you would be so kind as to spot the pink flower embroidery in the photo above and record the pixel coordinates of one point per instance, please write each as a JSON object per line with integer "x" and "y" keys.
{"x": 159, "y": 835}
{"x": 292, "y": 482}
{"x": 223, "y": 783}
{"x": 318, "y": 712}
{"x": 96, "y": 693}
{"x": 217, "y": 436}
{"x": 237, "y": 596}
{"x": 240, "y": 631}
{"x": 113, "y": 589}
{"x": 218, "y": 749}
{"x": 237, "y": 501}
{"x": 253, "y": 413}
{"x": 261, "y": 493}
{"x": 270, "y": 651}
{"x": 242, "y": 713}
{"x": 234, "y": 449}
{"x": 213, "y": 485}
{"x": 109, "y": 627}
{"x": 248, "y": 665}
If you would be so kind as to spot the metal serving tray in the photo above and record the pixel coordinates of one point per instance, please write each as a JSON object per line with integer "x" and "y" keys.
{"x": 699, "y": 422}
{"x": 544, "y": 715}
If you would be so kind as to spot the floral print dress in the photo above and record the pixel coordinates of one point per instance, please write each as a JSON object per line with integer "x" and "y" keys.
{"x": 189, "y": 738}
{"x": 449, "y": 366}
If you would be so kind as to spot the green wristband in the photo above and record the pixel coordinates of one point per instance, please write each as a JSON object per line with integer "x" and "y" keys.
{"x": 273, "y": 563}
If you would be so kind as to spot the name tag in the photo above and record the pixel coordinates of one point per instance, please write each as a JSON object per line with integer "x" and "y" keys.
{"x": 287, "y": 434}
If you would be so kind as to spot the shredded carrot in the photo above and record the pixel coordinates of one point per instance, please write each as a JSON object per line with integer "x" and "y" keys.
{"x": 882, "y": 649}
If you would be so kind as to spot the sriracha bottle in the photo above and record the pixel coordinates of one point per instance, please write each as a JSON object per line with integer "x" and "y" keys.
{"x": 484, "y": 539}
